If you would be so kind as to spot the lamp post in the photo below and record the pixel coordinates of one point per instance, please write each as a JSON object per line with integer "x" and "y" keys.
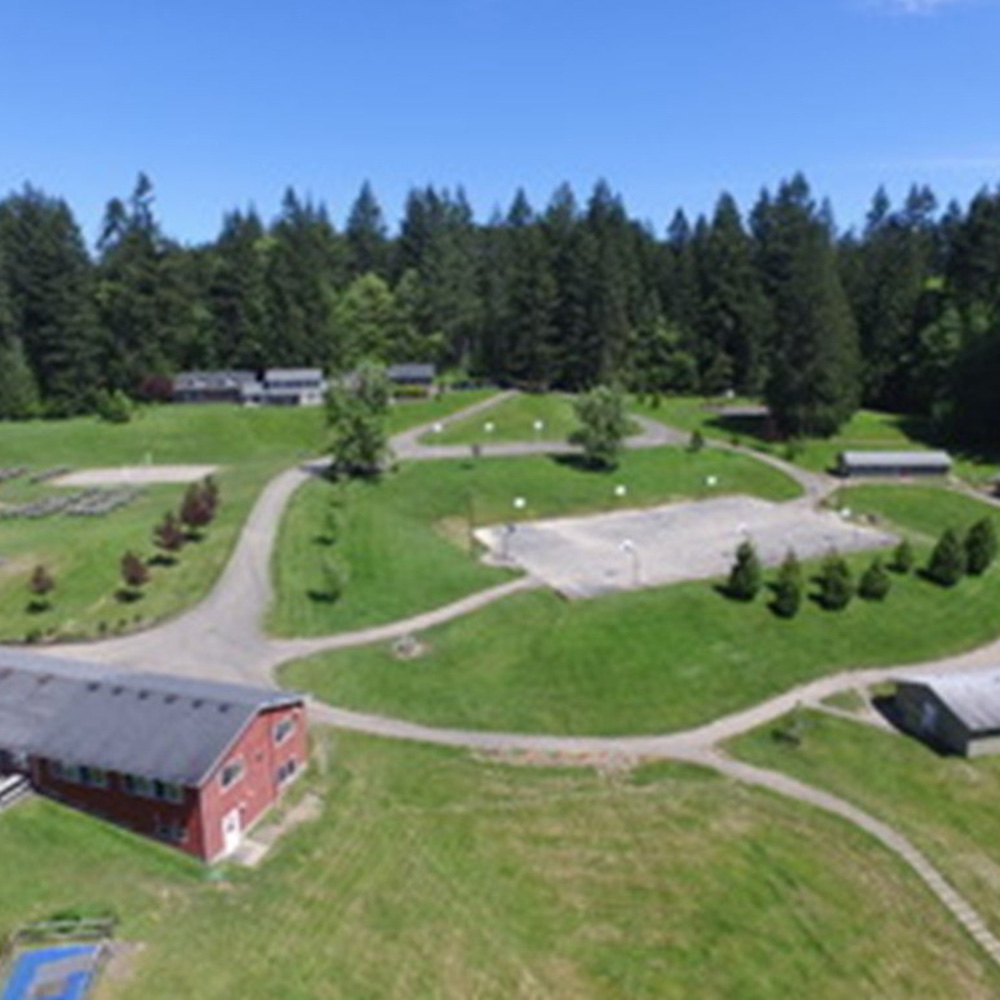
{"x": 629, "y": 548}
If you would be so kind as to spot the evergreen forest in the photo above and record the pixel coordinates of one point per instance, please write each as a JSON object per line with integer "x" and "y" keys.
{"x": 901, "y": 314}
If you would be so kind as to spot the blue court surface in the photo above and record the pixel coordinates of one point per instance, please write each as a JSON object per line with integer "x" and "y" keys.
{"x": 63, "y": 972}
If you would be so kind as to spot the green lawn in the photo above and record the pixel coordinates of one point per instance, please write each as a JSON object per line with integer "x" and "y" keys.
{"x": 948, "y": 806}
{"x": 922, "y": 511}
{"x": 432, "y": 875}
{"x": 405, "y": 540}
{"x": 250, "y": 444}
{"x": 866, "y": 430}
{"x": 652, "y": 661}
{"x": 514, "y": 420}
{"x": 406, "y": 413}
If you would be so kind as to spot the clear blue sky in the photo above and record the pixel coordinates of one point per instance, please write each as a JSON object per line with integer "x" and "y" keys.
{"x": 225, "y": 103}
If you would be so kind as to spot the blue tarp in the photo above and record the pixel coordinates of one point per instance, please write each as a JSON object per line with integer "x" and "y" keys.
{"x": 31, "y": 968}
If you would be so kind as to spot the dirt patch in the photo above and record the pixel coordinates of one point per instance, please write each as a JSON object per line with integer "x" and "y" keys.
{"x": 136, "y": 475}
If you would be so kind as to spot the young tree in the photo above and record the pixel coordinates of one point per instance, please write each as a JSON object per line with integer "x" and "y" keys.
{"x": 788, "y": 588}
{"x": 980, "y": 546}
{"x": 875, "y": 582}
{"x": 947, "y": 564}
{"x": 603, "y": 426}
{"x": 355, "y": 413}
{"x": 135, "y": 574}
{"x": 903, "y": 558}
{"x": 746, "y": 577}
{"x": 169, "y": 536}
{"x": 836, "y": 588}
{"x": 696, "y": 442}
{"x": 41, "y": 584}
{"x": 196, "y": 510}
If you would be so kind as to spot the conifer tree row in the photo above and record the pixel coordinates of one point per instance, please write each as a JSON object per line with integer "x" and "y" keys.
{"x": 773, "y": 302}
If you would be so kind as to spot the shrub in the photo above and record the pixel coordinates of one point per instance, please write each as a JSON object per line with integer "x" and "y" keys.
{"x": 135, "y": 573}
{"x": 114, "y": 407}
{"x": 947, "y": 563}
{"x": 697, "y": 442}
{"x": 603, "y": 426}
{"x": 980, "y": 546}
{"x": 788, "y": 588}
{"x": 41, "y": 584}
{"x": 168, "y": 534}
{"x": 875, "y": 582}
{"x": 836, "y": 588}
{"x": 746, "y": 576}
{"x": 903, "y": 558}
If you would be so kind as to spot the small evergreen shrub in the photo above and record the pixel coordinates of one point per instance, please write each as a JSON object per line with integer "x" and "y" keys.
{"x": 875, "y": 582}
{"x": 788, "y": 588}
{"x": 836, "y": 588}
{"x": 947, "y": 564}
{"x": 980, "y": 546}
{"x": 746, "y": 576}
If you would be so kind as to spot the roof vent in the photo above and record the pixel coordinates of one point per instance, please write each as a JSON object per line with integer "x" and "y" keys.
{"x": 117, "y": 689}
{"x": 197, "y": 703}
{"x": 170, "y": 699}
{"x": 93, "y": 686}
{"x": 143, "y": 695}
{"x": 224, "y": 706}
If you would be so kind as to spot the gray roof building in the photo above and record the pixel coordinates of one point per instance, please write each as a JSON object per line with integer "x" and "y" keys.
{"x": 412, "y": 373}
{"x": 161, "y": 727}
{"x": 959, "y": 712}
{"x": 893, "y": 463}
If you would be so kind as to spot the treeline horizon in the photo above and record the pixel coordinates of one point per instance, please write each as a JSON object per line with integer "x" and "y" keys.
{"x": 902, "y": 314}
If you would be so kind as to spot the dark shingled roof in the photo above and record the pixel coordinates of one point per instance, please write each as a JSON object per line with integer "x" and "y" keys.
{"x": 161, "y": 727}
{"x": 413, "y": 371}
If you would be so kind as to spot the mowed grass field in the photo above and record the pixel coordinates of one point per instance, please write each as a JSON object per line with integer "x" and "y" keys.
{"x": 405, "y": 540}
{"x": 948, "y": 806}
{"x": 514, "y": 420}
{"x": 430, "y": 874}
{"x": 655, "y": 660}
{"x": 83, "y": 553}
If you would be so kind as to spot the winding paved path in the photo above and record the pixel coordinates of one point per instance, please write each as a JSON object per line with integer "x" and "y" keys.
{"x": 221, "y": 638}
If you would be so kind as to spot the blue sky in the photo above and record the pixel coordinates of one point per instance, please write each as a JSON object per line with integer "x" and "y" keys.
{"x": 226, "y": 103}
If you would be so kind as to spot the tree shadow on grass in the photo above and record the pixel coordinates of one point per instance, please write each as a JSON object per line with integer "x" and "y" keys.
{"x": 579, "y": 463}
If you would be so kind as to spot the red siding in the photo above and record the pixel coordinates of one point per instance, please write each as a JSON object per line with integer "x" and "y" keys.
{"x": 258, "y": 789}
{"x": 135, "y": 812}
{"x": 202, "y": 812}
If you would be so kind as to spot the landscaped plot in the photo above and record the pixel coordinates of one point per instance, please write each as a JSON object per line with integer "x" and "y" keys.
{"x": 948, "y": 806}
{"x": 645, "y": 661}
{"x": 404, "y": 544}
{"x": 248, "y": 446}
{"x": 601, "y": 554}
{"x": 524, "y": 417}
{"x": 430, "y": 874}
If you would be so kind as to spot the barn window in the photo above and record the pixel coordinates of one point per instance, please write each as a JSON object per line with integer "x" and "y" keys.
{"x": 287, "y": 770}
{"x": 135, "y": 784}
{"x": 231, "y": 773}
{"x": 94, "y": 777}
{"x": 168, "y": 791}
{"x": 283, "y": 729}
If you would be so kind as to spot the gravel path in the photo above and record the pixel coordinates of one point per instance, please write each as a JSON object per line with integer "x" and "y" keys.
{"x": 221, "y": 638}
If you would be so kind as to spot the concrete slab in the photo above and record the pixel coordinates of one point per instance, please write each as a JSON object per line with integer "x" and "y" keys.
{"x": 588, "y": 556}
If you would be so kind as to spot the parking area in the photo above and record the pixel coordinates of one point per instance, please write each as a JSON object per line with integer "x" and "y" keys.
{"x": 598, "y": 554}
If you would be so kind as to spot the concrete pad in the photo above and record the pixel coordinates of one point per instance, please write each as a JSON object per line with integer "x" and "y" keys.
{"x": 603, "y": 553}
{"x": 136, "y": 475}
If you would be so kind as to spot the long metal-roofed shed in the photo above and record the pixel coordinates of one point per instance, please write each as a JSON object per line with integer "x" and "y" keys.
{"x": 957, "y": 713}
{"x": 893, "y": 463}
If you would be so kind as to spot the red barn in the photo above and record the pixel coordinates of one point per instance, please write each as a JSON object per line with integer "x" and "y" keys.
{"x": 194, "y": 763}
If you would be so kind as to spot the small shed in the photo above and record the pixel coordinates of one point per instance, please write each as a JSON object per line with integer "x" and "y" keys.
{"x": 958, "y": 713}
{"x": 893, "y": 463}
{"x": 412, "y": 373}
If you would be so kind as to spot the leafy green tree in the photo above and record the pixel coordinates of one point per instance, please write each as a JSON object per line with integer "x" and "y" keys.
{"x": 237, "y": 293}
{"x": 367, "y": 236}
{"x": 788, "y": 588}
{"x": 836, "y": 588}
{"x": 875, "y": 582}
{"x": 814, "y": 380}
{"x": 746, "y": 576}
{"x": 356, "y": 408}
{"x": 368, "y": 323}
{"x": 40, "y": 584}
{"x": 19, "y": 399}
{"x": 48, "y": 291}
{"x": 981, "y": 546}
{"x": 734, "y": 314}
{"x": 947, "y": 563}
{"x": 113, "y": 406}
{"x": 903, "y": 557}
{"x": 603, "y": 426}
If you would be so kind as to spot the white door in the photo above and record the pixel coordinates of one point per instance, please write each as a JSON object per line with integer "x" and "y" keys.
{"x": 231, "y": 831}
